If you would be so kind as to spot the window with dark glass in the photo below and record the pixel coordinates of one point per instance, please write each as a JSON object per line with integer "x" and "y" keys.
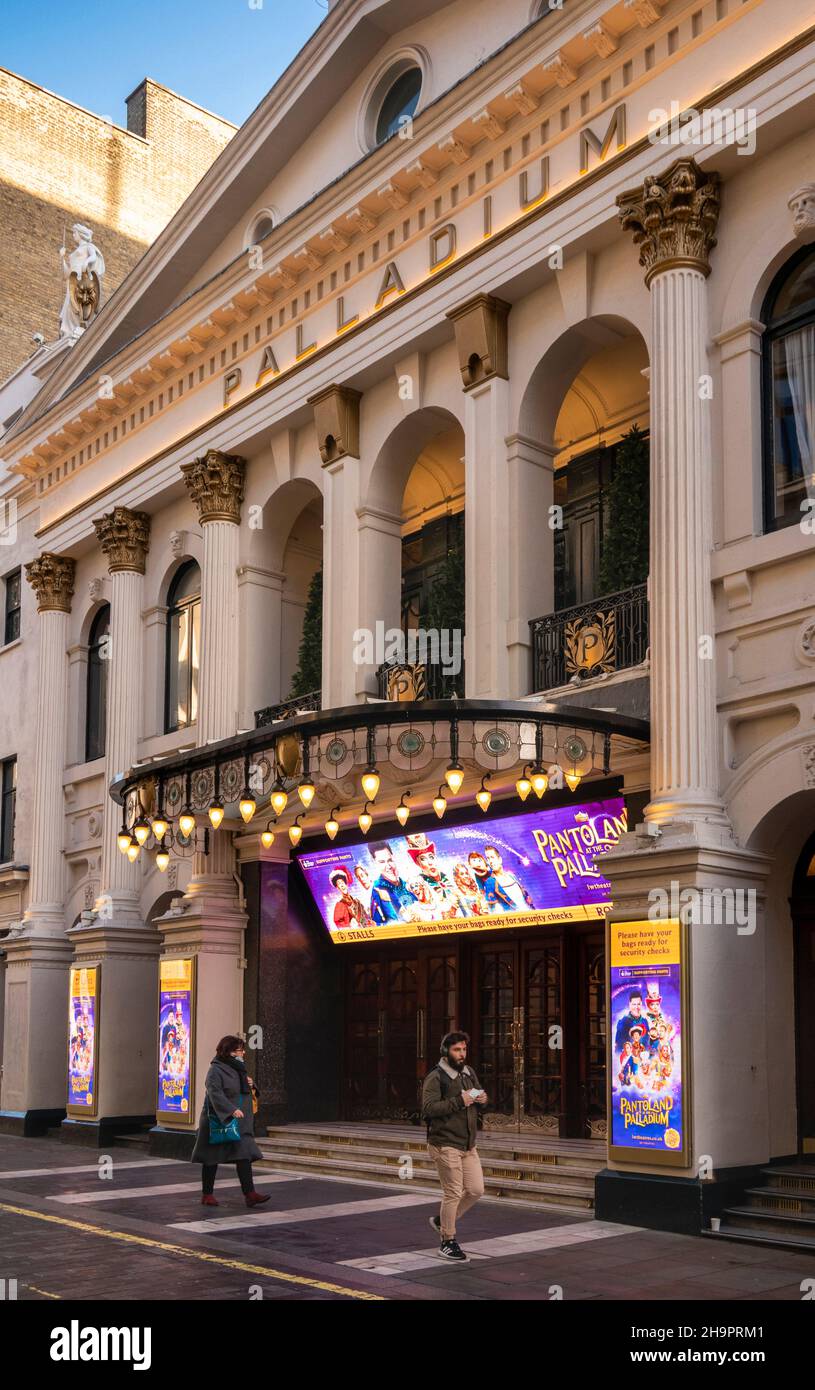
{"x": 183, "y": 648}
{"x": 96, "y": 709}
{"x": 399, "y": 105}
{"x": 8, "y": 800}
{"x": 13, "y": 598}
{"x": 789, "y": 393}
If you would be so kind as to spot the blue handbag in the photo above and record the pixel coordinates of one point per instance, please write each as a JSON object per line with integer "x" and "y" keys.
{"x": 229, "y": 1133}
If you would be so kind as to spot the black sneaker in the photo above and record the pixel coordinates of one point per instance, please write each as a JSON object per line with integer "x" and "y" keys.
{"x": 435, "y": 1222}
{"x": 451, "y": 1250}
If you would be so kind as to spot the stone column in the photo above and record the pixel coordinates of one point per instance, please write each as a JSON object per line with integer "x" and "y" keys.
{"x": 336, "y": 420}
{"x": 208, "y": 924}
{"x": 673, "y": 217}
{"x": 38, "y": 953}
{"x": 481, "y": 338}
{"x": 124, "y": 537}
{"x": 530, "y": 493}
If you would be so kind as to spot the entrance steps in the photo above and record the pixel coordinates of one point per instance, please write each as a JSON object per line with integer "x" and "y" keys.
{"x": 556, "y": 1174}
{"x": 780, "y": 1212}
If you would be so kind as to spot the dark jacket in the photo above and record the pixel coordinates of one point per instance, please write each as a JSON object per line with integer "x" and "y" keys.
{"x": 225, "y": 1096}
{"x": 450, "y": 1121}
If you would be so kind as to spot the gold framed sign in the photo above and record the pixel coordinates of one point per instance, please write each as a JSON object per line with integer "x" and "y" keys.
{"x": 176, "y": 1042}
{"x": 648, "y": 1044}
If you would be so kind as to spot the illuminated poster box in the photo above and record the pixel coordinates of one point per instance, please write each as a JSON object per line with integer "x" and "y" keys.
{"x": 175, "y": 1039}
{"x": 83, "y": 1026}
{"x": 530, "y": 870}
{"x": 648, "y": 1044}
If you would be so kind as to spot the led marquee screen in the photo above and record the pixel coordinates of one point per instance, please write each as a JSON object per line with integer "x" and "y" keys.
{"x": 528, "y": 870}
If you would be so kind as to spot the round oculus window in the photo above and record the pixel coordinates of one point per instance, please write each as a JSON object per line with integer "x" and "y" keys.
{"x": 399, "y": 104}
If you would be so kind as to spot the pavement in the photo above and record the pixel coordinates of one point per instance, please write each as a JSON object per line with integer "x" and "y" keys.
{"x": 75, "y": 1224}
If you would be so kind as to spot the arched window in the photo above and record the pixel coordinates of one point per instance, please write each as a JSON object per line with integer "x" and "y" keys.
{"x": 183, "y": 648}
{"x": 399, "y": 104}
{"x": 97, "y": 692}
{"x": 789, "y": 392}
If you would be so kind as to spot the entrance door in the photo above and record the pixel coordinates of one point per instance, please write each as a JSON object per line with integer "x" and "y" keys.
{"x": 398, "y": 1007}
{"x": 539, "y": 1033}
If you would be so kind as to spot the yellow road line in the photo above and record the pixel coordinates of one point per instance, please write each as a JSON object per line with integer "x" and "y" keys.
{"x": 44, "y": 1292}
{"x": 204, "y": 1256}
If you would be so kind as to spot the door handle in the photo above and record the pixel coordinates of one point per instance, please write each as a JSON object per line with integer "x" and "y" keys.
{"x": 381, "y": 1034}
{"x": 420, "y": 1034}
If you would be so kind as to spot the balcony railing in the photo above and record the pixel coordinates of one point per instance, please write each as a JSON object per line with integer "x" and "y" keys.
{"x": 593, "y": 639}
{"x": 421, "y": 682}
{"x": 301, "y": 704}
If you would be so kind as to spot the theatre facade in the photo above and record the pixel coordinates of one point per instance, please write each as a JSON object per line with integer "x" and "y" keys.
{"x": 416, "y": 616}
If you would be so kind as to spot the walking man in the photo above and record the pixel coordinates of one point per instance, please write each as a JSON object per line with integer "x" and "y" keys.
{"x": 450, "y": 1096}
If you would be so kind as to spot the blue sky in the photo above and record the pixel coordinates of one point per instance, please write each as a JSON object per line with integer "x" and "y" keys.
{"x": 224, "y": 54}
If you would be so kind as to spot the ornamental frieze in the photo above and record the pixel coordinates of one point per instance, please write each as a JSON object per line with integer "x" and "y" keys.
{"x": 124, "y": 536}
{"x": 52, "y": 579}
{"x": 673, "y": 216}
{"x": 215, "y": 484}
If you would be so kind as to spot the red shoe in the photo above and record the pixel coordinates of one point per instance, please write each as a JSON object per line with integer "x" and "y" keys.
{"x": 256, "y": 1199}
{"x": 208, "y": 1200}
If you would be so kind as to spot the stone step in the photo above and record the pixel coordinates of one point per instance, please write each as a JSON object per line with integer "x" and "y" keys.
{"x": 133, "y": 1141}
{"x": 514, "y": 1148}
{"x": 560, "y": 1196}
{"x": 781, "y": 1226}
{"x": 800, "y": 1177}
{"x": 496, "y": 1166}
{"x": 755, "y": 1236}
{"x": 782, "y": 1199}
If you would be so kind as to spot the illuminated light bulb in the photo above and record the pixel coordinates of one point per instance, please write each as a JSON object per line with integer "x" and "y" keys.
{"x": 295, "y": 833}
{"x": 133, "y": 850}
{"x": 280, "y": 800}
{"x": 439, "y": 804}
{"x": 186, "y": 823}
{"x": 539, "y": 783}
{"x": 572, "y": 780}
{"x": 159, "y": 828}
{"x": 484, "y": 796}
{"x": 267, "y": 838}
{"x": 332, "y": 827}
{"x": 523, "y": 787}
{"x": 402, "y": 813}
{"x": 247, "y": 806}
{"x": 123, "y": 840}
{"x": 306, "y": 792}
{"x": 162, "y": 859}
{"x": 366, "y": 820}
{"x": 370, "y": 783}
{"x": 216, "y": 814}
{"x": 454, "y": 777}
{"x": 141, "y": 830}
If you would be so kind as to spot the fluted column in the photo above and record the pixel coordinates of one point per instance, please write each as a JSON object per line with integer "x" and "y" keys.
{"x": 124, "y": 536}
{"x": 52, "y": 579}
{"x": 673, "y": 217}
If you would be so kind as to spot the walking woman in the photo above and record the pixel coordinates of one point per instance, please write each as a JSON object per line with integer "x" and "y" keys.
{"x": 229, "y": 1093}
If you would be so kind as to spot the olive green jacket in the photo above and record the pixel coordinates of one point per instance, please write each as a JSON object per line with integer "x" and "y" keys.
{"x": 449, "y": 1121}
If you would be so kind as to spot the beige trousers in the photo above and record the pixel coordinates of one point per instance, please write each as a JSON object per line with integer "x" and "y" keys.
{"x": 462, "y": 1183}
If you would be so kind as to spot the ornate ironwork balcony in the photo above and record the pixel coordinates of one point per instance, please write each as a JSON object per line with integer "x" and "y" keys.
{"x": 398, "y": 681}
{"x": 593, "y": 639}
{"x": 301, "y": 704}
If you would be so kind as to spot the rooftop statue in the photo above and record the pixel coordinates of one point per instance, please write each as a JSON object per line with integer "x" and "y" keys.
{"x": 84, "y": 269}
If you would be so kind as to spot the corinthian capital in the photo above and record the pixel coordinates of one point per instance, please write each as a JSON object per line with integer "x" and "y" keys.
{"x": 215, "y": 484}
{"x": 673, "y": 217}
{"x": 52, "y": 579}
{"x": 125, "y": 539}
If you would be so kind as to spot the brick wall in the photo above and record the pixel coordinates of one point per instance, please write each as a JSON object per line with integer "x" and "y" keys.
{"x": 60, "y": 164}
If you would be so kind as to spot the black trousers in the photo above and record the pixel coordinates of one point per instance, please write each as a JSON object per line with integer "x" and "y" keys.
{"x": 244, "y": 1167}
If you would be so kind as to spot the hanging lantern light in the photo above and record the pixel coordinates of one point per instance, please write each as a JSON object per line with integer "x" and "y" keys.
{"x": 247, "y": 805}
{"x": 133, "y": 850}
{"x": 540, "y": 781}
{"x": 296, "y": 832}
{"x": 572, "y": 780}
{"x": 186, "y": 822}
{"x": 123, "y": 839}
{"x": 454, "y": 777}
{"x": 403, "y": 811}
{"x": 279, "y": 798}
{"x": 162, "y": 857}
{"x": 216, "y": 814}
{"x": 366, "y": 820}
{"x": 159, "y": 828}
{"x": 306, "y": 791}
{"x": 141, "y": 830}
{"x": 332, "y": 825}
{"x": 370, "y": 783}
{"x": 523, "y": 786}
{"x": 484, "y": 796}
{"x": 267, "y": 837}
{"x": 440, "y": 803}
